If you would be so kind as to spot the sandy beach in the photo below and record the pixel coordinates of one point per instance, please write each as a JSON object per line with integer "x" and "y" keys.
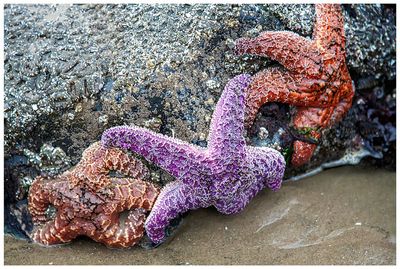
{"x": 341, "y": 216}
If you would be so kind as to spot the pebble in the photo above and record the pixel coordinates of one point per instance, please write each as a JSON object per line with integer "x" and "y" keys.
{"x": 103, "y": 120}
{"x": 71, "y": 116}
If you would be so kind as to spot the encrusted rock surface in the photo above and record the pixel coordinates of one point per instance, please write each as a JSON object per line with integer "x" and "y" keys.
{"x": 72, "y": 71}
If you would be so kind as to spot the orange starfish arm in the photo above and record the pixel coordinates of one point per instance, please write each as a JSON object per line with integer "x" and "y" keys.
{"x": 132, "y": 193}
{"x": 277, "y": 85}
{"x": 279, "y": 47}
{"x": 328, "y": 28}
{"x": 306, "y": 117}
{"x": 57, "y": 231}
{"x": 38, "y": 203}
{"x": 341, "y": 109}
{"x": 98, "y": 161}
{"x": 302, "y": 153}
{"x": 122, "y": 233}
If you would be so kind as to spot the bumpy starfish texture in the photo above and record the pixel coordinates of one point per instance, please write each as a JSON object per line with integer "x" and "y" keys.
{"x": 227, "y": 174}
{"x": 90, "y": 202}
{"x": 316, "y": 79}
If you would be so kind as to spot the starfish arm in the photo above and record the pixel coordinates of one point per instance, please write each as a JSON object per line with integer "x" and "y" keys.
{"x": 122, "y": 234}
{"x": 344, "y": 103}
{"x": 307, "y": 117}
{"x": 116, "y": 160}
{"x": 42, "y": 194}
{"x": 38, "y": 200}
{"x": 302, "y": 153}
{"x": 328, "y": 28}
{"x": 277, "y": 85}
{"x": 293, "y": 51}
{"x": 266, "y": 168}
{"x": 53, "y": 232}
{"x": 275, "y": 168}
{"x": 315, "y": 118}
{"x": 173, "y": 155}
{"x": 174, "y": 199}
{"x": 226, "y": 130}
{"x": 268, "y": 165}
{"x": 340, "y": 110}
{"x": 130, "y": 193}
{"x": 239, "y": 202}
{"x": 98, "y": 161}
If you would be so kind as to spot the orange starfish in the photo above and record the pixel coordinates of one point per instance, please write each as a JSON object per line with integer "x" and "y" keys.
{"x": 91, "y": 202}
{"x": 316, "y": 79}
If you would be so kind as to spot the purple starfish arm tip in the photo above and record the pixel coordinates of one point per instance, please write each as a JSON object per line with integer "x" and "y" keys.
{"x": 174, "y": 199}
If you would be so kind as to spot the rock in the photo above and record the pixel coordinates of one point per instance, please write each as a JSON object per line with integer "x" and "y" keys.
{"x": 72, "y": 71}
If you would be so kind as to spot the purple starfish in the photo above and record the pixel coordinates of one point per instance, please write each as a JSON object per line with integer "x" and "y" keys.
{"x": 227, "y": 174}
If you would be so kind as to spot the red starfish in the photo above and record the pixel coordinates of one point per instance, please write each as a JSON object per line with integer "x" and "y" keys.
{"x": 316, "y": 79}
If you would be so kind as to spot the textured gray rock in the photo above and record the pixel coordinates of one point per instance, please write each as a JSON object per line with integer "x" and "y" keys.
{"x": 71, "y": 71}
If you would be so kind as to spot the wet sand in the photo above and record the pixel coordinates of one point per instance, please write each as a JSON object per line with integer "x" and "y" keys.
{"x": 342, "y": 216}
